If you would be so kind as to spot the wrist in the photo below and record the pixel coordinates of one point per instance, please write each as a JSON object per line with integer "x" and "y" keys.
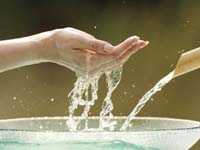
{"x": 35, "y": 48}
{"x": 44, "y": 44}
{"x": 40, "y": 45}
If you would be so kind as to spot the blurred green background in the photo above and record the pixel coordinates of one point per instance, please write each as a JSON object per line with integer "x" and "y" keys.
{"x": 172, "y": 27}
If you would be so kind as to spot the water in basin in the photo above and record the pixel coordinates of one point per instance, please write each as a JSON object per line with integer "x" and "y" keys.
{"x": 50, "y": 133}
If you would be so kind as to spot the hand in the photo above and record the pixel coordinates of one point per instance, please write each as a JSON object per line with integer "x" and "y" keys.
{"x": 83, "y": 53}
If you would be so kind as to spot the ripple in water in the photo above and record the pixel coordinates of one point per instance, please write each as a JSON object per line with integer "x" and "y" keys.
{"x": 112, "y": 145}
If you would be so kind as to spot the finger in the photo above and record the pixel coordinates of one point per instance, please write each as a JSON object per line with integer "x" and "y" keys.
{"x": 99, "y": 46}
{"x": 128, "y": 43}
{"x": 139, "y": 45}
{"x": 111, "y": 63}
{"x": 81, "y": 32}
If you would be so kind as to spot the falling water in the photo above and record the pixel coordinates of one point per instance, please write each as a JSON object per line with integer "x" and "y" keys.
{"x": 113, "y": 79}
{"x": 85, "y": 94}
{"x": 79, "y": 96}
{"x": 88, "y": 85}
{"x": 145, "y": 99}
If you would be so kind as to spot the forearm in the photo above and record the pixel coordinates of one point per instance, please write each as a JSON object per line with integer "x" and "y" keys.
{"x": 19, "y": 52}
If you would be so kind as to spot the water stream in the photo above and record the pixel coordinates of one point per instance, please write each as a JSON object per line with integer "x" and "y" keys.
{"x": 85, "y": 94}
{"x": 113, "y": 79}
{"x": 79, "y": 96}
{"x": 159, "y": 85}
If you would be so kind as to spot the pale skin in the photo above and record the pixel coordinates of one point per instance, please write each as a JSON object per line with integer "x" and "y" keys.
{"x": 69, "y": 47}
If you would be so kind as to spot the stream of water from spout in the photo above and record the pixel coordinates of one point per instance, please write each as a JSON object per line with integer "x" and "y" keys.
{"x": 159, "y": 85}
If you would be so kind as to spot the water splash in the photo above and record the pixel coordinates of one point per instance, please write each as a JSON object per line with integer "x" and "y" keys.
{"x": 79, "y": 96}
{"x": 145, "y": 99}
{"x": 85, "y": 91}
{"x": 113, "y": 79}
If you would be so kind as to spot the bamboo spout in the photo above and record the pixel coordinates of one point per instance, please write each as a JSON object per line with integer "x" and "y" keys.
{"x": 188, "y": 62}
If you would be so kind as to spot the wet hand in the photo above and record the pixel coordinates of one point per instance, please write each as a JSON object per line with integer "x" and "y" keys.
{"x": 83, "y": 53}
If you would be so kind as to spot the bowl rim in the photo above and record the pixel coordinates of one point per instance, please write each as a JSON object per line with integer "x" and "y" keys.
{"x": 97, "y": 117}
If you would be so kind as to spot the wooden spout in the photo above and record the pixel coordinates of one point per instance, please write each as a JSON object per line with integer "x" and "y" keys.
{"x": 188, "y": 61}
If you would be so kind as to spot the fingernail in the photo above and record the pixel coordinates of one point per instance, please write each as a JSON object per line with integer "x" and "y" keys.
{"x": 144, "y": 44}
{"x": 108, "y": 48}
{"x": 134, "y": 40}
{"x": 134, "y": 37}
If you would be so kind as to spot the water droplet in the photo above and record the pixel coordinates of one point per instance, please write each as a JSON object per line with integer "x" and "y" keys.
{"x": 187, "y": 21}
{"x": 27, "y": 77}
{"x": 52, "y": 99}
{"x": 30, "y": 92}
